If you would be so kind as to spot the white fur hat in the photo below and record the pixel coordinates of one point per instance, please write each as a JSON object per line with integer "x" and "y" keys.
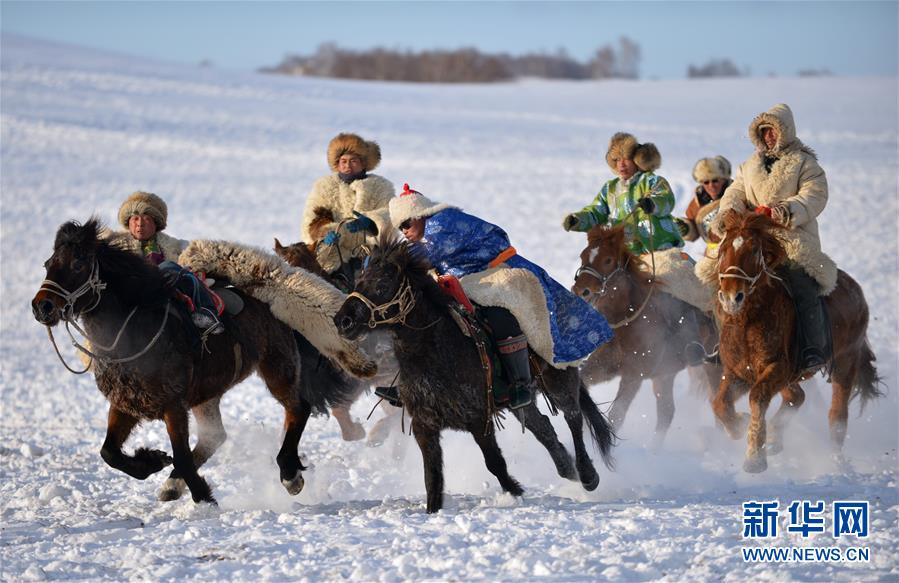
{"x": 711, "y": 168}
{"x": 144, "y": 203}
{"x": 411, "y": 204}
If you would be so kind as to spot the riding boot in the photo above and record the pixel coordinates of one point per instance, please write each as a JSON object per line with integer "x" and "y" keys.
{"x": 810, "y": 320}
{"x": 513, "y": 354}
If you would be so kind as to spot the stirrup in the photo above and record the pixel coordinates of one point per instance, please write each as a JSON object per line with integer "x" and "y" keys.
{"x": 389, "y": 394}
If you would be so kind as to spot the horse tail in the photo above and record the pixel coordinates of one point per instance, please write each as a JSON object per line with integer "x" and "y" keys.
{"x": 600, "y": 428}
{"x": 322, "y": 383}
{"x": 867, "y": 381}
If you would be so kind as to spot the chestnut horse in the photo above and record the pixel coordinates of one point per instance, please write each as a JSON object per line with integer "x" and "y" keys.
{"x": 149, "y": 363}
{"x": 653, "y": 329}
{"x": 758, "y": 325}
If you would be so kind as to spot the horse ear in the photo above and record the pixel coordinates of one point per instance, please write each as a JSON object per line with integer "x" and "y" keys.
{"x": 731, "y": 219}
{"x": 278, "y": 245}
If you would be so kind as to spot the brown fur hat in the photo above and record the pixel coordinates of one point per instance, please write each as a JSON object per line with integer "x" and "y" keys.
{"x": 624, "y": 145}
{"x": 711, "y": 168}
{"x": 369, "y": 152}
{"x": 144, "y": 203}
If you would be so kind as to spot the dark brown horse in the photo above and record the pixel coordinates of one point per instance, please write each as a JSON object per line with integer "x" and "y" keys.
{"x": 150, "y": 363}
{"x": 653, "y": 329}
{"x": 758, "y": 324}
{"x": 442, "y": 377}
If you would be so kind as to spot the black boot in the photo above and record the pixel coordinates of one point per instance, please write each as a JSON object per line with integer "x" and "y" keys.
{"x": 513, "y": 353}
{"x": 809, "y": 319}
{"x": 389, "y": 394}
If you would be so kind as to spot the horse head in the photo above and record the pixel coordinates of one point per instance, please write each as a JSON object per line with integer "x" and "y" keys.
{"x": 72, "y": 284}
{"x": 751, "y": 249}
{"x": 604, "y": 262}
{"x": 300, "y": 255}
{"x": 395, "y": 276}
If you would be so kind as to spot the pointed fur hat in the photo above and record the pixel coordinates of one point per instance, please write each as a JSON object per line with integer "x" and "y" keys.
{"x": 624, "y": 145}
{"x": 368, "y": 152}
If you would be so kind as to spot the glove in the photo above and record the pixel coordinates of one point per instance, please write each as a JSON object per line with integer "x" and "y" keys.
{"x": 780, "y": 213}
{"x": 361, "y": 223}
{"x": 170, "y": 278}
{"x": 683, "y": 226}
{"x": 331, "y": 237}
{"x": 647, "y": 205}
{"x": 570, "y": 222}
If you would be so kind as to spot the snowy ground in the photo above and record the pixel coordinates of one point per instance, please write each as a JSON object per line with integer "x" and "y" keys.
{"x": 234, "y": 156}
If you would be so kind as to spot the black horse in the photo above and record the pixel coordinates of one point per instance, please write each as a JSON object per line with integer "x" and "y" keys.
{"x": 150, "y": 363}
{"x": 442, "y": 380}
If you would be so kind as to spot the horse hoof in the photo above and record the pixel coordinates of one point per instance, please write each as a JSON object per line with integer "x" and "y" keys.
{"x": 354, "y": 432}
{"x": 774, "y": 447}
{"x": 294, "y": 486}
{"x": 592, "y": 483}
{"x": 172, "y": 489}
{"x": 755, "y": 465}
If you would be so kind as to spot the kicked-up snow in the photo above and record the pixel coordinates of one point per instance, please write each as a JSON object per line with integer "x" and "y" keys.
{"x": 234, "y": 155}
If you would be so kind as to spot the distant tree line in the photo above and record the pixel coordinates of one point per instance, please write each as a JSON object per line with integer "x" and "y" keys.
{"x": 466, "y": 65}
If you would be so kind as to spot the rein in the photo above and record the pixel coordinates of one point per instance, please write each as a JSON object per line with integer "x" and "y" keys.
{"x": 404, "y": 300}
{"x": 96, "y": 285}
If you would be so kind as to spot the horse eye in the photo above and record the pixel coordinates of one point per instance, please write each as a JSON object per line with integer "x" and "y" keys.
{"x": 78, "y": 265}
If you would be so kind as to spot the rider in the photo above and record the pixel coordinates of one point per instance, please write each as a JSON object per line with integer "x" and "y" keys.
{"x": 347, "y": 208}
{"x": 145, "y": 216}
{"x": 467, "y": 247}
{"x": 783, "y": 179}
{"x": 637, "y": 197}
{"x": 712, "y": 176}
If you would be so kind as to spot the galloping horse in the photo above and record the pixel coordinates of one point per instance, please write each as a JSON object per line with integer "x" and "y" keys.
{"x": 149, "y": 364}
{"x": 442, "y": 376}
{"x": 758, "y": 326}
{"x": 651, "y": 335}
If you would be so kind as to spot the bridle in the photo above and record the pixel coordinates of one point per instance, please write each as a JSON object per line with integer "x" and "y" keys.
{"x": 403, "y": 299}
{"x": 96, "y": 285}
{"x": 603, "y": 279}
{"x": 741, "y": 274}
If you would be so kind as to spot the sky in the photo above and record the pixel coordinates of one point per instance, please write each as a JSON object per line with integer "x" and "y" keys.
{"x": 760, "y": 37}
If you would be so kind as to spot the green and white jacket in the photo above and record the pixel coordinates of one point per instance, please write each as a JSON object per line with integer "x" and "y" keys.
{"x": 616, "y": 202}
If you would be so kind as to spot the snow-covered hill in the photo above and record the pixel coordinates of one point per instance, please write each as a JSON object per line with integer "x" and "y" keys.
{"x": 234, "y": 155}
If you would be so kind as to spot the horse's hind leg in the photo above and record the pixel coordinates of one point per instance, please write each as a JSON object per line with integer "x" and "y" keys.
{"x": 663, "y": 388}
{"x": 792, "y": 398}
{"x": 495, "y": 462}
{"x": 428, "y": 440}
{"x": 210, "y": 436}
{"x": 144, "y": 463}
{"x": 838, "y": 416}
{"x": 585, "y": 469}
{"x": 540, "y": 426}
{"x": 177, "y": 426}
{"x": 627, "y": 390}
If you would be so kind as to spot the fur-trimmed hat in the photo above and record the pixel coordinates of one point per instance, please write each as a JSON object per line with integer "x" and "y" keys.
{"x": 711, "y": 168}
{"x": 624, "y": 145}
{"x": 368, "y": 152}
{"x": 144, "y": 203}
{"x": 411, "y": 204}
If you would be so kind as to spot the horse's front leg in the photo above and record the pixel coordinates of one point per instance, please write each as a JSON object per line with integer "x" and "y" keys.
{"x": 627, "y": 390}
{"x": 291, "y": 469}
{"x": 756, "y": 460}
{"x": 723, "y": 407}
{"x": 428, "y": 439}
{"x": 210, "y": 436}
{"x": 540, "y": 425}
{"x": 494, "y": 460}
{"x": 176, "y": 424}
{"x": 793, "y": 396}
{"x": 144, "y": 463}
{"x": 663, "y": 388}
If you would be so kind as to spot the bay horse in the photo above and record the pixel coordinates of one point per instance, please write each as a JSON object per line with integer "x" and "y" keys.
{"x": 442, "y": 378}
{"x": 757, "y": 318}
{"x": 149, "y": 362}
{"x": 651, "y": 331}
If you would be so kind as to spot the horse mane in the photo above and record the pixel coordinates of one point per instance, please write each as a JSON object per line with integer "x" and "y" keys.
{"x": 760, "y": 228}
{"x": 131, "y": 276}
{"x": 614, "y": 235}
{"x": 411, "y": 261}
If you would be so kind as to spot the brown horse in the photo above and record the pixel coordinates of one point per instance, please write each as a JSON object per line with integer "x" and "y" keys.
{"x": 653, "y": 329}
{"x": 150, "y": 363}
{"x": 758, "y": 325}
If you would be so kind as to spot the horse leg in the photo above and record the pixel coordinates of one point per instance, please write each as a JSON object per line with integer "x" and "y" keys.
{"x": 379, "y": 432}
{"x": 586, "y": 470}
{"x": 663, "y": 387}
{"x": 495, "y": 462}
{"x": 211, "y": 436}
{"x": 723, "y": 405}
{"x": 289, "y": 464}
{"x": 759, "y": 399}
{"x": 539, "y": 424}
{"x": 428, "y": 440}
{"x": 349, "y": 430}
{"x": 144, "y": 463}
{"x": 838, "y": 416}
{"x": 792, "y": 398}
{"x": 627, "y": 390}
{"x": 176, "y": 424}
